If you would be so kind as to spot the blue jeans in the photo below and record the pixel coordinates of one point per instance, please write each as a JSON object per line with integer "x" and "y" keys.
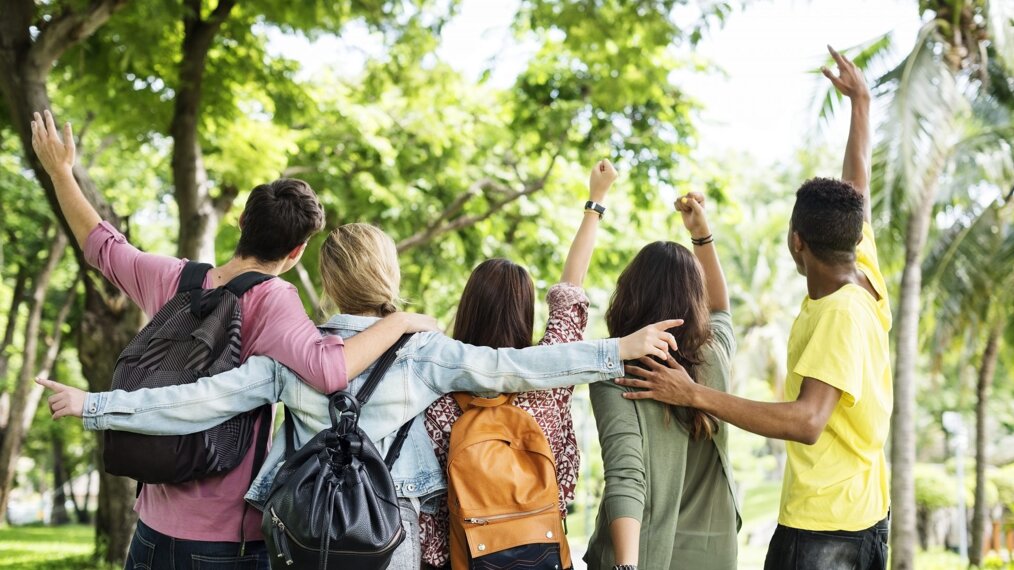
{"x": 152, "y": 550}
{"x": 798, "y": 549}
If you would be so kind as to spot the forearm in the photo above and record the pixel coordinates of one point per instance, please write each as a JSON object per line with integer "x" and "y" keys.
{"x": 579, "y": 257}
{"x": 365, "y": 348}
{"x": 856, "y": 165}
{"x": 79, "y": 213}
{"x": 714, "y": 277}
{"x": 779, "y": 420}
{"x": 186, "y": 408}
{"x": 625, "y": 533}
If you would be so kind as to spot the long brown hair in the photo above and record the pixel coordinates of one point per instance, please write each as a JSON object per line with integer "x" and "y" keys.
{"x": 497, "y": 307}
{"x": 665, "y": 281}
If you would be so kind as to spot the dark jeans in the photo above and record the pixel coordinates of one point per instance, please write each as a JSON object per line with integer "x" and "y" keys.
{"x": 797, "y": 549}
{"x": 152, "y": 550}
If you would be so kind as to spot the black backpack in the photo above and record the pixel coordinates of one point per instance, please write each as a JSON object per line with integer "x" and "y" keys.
{"x": 194, "y": 335}
{"x": 333, "y": 504}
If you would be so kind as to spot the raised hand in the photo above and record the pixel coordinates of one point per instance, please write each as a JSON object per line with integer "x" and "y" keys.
{"x": 66, "y": 400}
{"x": 602, "y": 177}
{"x": 652, "y": 340}
{"x": 849, "y": 81}
{"x": 691, "y": 209}
{"x": 56, "y": 155}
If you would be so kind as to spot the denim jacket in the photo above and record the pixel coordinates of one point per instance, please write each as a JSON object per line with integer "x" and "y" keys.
{"x": 428, "y": 366}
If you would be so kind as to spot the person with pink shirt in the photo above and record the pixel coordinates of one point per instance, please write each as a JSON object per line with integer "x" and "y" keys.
{"x": 203, "y": 520}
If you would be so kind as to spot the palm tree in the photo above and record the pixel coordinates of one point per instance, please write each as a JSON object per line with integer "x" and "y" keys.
{"x": 970, "y": 284}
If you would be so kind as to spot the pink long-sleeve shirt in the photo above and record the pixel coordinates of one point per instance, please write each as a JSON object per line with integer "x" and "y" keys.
{"x": 274, "y": 324}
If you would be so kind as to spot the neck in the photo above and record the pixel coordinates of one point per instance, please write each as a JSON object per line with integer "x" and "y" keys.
{"x": 823, "y": 279}
{"x": 238, "y": 265}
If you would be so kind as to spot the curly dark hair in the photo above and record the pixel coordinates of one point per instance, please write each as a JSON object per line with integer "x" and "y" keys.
{"x": 828, "y": 216}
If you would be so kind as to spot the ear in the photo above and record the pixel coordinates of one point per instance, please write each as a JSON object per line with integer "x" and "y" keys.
{"x": 296, "y": 252}
{"x": 241, "y": 221}
{"x": 798, "y": 245}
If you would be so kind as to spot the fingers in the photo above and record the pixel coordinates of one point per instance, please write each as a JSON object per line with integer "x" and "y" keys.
{"x": 68, "y": 138}
{"x": 696, "y": 206}
{"x": 669, "y": 324}
{"x": 50, "y": 125}
{"x": 838, "y": 58}
{"x": 47, "y": 383}
{"x": 652, "y": 364}
{"x": 633, "y": 383}
{"x": 642, "y": 395}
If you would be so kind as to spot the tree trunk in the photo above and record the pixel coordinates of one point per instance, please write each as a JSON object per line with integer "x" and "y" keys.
{"x": 17, "y": 297}
{"x": 985, "y": 381}
{"x": 58, "y": 516}
{"x": 109, "y": 319}
{"x": 199, "y": 213}
{"x": 12, "y": 321}
{"x": 21, "y": 408}
{"x": 903, "y": 437}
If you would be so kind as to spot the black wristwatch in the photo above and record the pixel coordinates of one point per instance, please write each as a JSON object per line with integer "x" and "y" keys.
{"x": 625, "y": 567}
{"x": 599, "y": 209}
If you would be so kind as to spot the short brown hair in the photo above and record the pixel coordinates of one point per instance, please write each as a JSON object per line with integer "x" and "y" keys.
{"x": 497, "y": 307}
{"x": 279, "y": 216}
{"x": 664, "y": 281}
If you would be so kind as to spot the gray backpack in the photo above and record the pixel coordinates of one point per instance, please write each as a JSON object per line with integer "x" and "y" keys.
{"x": 194, "y": 335}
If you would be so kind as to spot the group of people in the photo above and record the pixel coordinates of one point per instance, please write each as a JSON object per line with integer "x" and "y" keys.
{"x": 659, "y": 387}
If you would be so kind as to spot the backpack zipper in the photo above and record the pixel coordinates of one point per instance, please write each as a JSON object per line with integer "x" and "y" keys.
{"x": 496, "y": 518}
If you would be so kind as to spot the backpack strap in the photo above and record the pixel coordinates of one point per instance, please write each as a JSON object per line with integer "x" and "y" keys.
{"x": 192, "y": 276}
{"x": 242, "y": 283}
{"x": 290, "y": 434}
{"x": 399, "y": 442}
{"x": 381, "y": 368}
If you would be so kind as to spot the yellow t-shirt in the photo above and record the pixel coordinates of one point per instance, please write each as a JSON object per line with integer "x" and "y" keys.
{"x": 840, "y": 482}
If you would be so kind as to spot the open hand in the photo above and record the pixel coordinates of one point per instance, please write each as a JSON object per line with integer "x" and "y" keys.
{"x": 691, "y": 208}
{"x": 55, "y": 155}
{"x": 66, "y": 400}
{"x": 417, "y": 322}
{"x": 652, "y": 340}
{"x": 849, "y": 81}
{"x": 668, "y": 383}
{"x": 602, "y": 177}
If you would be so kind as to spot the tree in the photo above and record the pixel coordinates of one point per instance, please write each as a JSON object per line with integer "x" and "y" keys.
{"x": 109, "y": 320}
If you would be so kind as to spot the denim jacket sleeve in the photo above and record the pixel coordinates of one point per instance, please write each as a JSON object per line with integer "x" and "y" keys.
{"x": 446, "y": 365}
{"x": 188, "y": 408}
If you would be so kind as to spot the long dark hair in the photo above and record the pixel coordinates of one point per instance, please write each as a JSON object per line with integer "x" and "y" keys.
{"x": 664, "y": 281}
{"x": 497, "y": 307}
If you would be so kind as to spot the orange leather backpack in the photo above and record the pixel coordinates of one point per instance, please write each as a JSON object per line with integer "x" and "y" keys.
{"x": 502, "y": 492}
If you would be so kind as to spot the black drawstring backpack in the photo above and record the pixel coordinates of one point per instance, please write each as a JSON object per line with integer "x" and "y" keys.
{"x": 333, "y": 504}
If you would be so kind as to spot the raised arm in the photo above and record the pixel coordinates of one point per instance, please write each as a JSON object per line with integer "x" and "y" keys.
{"x": 57, "y": 157}
{"x": 576, "y": 267}
{"x": 856, "y": 166}
{"x": 691, "y": 208}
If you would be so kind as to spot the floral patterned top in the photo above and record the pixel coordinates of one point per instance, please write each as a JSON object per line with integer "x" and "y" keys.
{"x": 568, "y": 318}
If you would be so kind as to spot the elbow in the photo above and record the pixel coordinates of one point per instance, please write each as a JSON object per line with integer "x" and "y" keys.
{"x": 807, "y": 431}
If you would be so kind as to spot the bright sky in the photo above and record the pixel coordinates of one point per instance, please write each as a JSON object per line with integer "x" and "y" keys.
{"x": 762, "y": 104}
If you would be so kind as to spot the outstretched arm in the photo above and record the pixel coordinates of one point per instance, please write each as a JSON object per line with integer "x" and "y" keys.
{"x": 691, "y": 207}
{"x": 856, "y": 166}
{"x": 57, "y": 157}
{"x": 801, "y": 420}
{"x": 576, "y": 267}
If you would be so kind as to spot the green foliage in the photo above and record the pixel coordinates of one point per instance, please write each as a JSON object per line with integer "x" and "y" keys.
{"x": 934, "y": 488}
{"x": 48, "y": 548}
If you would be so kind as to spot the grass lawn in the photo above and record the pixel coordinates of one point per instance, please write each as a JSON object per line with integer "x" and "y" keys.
{"x": 47, "y": 548}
